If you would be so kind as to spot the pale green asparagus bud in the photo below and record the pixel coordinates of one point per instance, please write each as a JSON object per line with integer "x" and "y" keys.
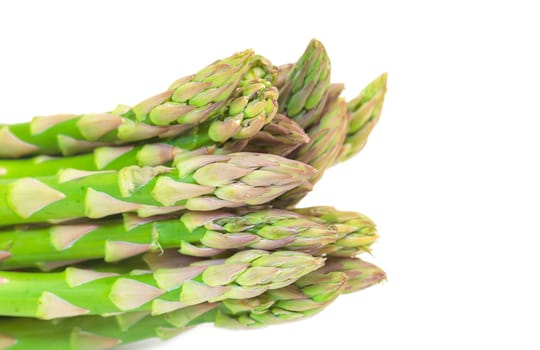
{"x": 364, "y": 112}
{"x": 305, "y": 89}
{"x": 307, "y": 297}
{"x": 196, "y": 98}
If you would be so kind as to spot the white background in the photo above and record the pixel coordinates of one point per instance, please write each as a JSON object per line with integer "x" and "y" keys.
{"x": 450, "y": 174}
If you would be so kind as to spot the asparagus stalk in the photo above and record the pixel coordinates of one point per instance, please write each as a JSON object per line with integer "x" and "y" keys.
{"x": 324, "y": 147}
{"x": 69, "y": 134}
{"x": 76, "y": 291}
{"x": 189, "y": 101}
{"x": 250, "y": 108}
{"x": 364, "y": 113}
{"x": 200, "y": 182}
{"x": 308, "y": 296}
{"x": 108, "y": 158}
{"x": 317, "y": 230}
{"x": 304, "y": 92}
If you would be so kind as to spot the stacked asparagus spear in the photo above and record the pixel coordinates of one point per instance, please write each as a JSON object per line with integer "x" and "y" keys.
{"x": 144, "y": 221}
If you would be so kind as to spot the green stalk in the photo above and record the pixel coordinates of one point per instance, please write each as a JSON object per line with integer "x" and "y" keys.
{"x": 75, "y": 291}
{"x": 317, "y": 230}
{"x": 304, "y": 91}
{"x": 198, "y": 182}
{"x": 251, "y": 107}
{"x": 364, "y": 113}
{"x": 308, "y": 296}
{"x": 188, "y": 102}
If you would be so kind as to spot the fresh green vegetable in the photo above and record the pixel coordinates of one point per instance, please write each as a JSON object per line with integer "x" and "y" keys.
{"x": 198, "y": 182}
{"x": 250, "y": 108}
{"x": 318, "y": 231}
{"x": 75, "y": 291}
{"x": 188, "y": 102}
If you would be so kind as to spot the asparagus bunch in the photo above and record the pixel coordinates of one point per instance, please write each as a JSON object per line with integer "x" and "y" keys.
{"x": 147, "y": 220}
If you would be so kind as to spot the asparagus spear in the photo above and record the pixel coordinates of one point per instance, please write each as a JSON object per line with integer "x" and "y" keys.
{"x": 189, "y": 101}
{"x": 317, "y": 230}
{"x": 364, "y": 113}
{"x": 76, "y": 291}
{"x": 308, "y": 296}
{"x": 305, "y": 89}
{"x": 200, "y": 182}
{"x": 250, "y": 108}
